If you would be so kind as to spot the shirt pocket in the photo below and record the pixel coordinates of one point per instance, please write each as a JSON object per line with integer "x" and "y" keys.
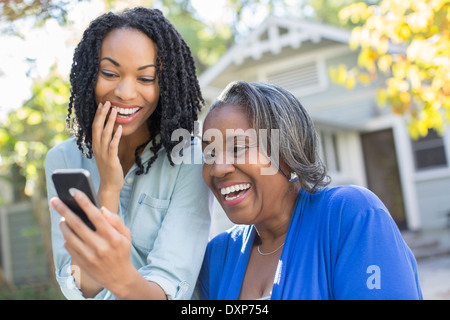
{"x": 147, "y": 220}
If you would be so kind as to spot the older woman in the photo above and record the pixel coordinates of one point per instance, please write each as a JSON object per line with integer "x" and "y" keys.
{"x": 295, "y": 237}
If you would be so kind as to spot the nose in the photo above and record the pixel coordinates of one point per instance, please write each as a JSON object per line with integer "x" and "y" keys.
{"x": 126, "y": 89}
{"x": 219, "y": 169}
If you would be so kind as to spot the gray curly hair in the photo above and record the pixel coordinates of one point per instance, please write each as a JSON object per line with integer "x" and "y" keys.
{"x": 272, "y": 107}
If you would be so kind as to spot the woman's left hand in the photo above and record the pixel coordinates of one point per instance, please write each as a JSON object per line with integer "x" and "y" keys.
{"x": 104, "y": 254}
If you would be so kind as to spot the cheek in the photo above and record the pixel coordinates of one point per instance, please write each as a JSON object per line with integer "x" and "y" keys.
{"x": 151, "y": 94}
{"x": 206, "y": 175}
{"x": 100, "y": 90}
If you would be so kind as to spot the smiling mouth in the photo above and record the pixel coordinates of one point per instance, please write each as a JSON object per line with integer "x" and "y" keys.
{"x": 126, "y": 112}
{"x": 234, "y": 191}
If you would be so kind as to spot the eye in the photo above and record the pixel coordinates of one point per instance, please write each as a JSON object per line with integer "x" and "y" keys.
{"x": 108, "y": 74}
{"x": 209, "y": 154}
{"x": 146, "y": 79}
{"x": 239, "y": 149}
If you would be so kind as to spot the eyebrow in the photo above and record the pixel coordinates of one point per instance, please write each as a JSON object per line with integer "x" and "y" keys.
{"x": 230, "y": 138}
{"x": 118, "y": 64}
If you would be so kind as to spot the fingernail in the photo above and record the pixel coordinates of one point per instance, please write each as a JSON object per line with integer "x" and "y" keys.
{"x": 105, "y": 211}
{"x": 73, "y": 192}
{"x": 55, "y": 202}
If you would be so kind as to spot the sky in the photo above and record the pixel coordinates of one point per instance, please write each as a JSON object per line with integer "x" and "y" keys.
{"x": 41, "y": 47}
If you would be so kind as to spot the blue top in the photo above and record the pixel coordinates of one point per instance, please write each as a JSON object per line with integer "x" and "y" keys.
{"x": 341, "y": 244}
{"x": 166, "y": 210}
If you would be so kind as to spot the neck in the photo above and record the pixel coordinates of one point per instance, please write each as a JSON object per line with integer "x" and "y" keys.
{"x": 129, "y": 143}
{"x": 270, "y": 239}
{"x": 127, "y": 149}
{"x": 272, "y": 232}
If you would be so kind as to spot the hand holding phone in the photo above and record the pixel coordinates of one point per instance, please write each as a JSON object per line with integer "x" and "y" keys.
{"x": 67, "y": 179}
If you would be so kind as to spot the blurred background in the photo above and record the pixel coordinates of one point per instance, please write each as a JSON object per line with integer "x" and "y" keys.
{"x": 374, "y": 75}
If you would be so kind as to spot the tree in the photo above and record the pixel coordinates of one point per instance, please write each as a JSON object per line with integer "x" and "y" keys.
{"x": 407, "y": 44}
{"x": 326, "y": 11}
{"x": 12, "y": 11}
{"x": 26, "y": 136}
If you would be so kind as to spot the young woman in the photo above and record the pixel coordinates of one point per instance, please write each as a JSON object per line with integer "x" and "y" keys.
{"x": 295, "y": 237}
{"x": 133, "y": 83}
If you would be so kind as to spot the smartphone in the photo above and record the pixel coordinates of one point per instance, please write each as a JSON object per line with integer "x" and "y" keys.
{"x": 65, "y": 179}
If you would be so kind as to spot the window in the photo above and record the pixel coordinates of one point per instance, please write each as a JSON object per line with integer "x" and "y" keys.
{"x": 305, "y": 78}
{"x": 429, "y": 151}
{"x": 330, "y": 150}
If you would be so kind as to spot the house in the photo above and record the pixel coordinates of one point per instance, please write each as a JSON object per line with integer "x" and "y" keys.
{"x": 361, "y": 143}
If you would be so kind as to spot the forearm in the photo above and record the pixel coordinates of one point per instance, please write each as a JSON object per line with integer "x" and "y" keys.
{"x": 88, "y": 286}
{"x": 136, "y": 287}
{"x": 109, "y": 199}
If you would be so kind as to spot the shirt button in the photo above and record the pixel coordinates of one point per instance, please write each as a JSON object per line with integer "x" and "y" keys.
{"x": 129, "y": 180}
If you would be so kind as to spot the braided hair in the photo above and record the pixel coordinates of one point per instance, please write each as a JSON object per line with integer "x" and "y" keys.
{"x": 180, "y": 96}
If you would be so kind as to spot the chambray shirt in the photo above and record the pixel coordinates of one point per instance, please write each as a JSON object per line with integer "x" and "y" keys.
{"x": 167, "y": 211}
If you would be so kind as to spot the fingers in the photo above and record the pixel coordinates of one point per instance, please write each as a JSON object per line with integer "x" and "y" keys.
{"x": 74, "y": 230}
{"x": 66, "y": 213}
{"x": 73, "y": 244}
{"x": 117, "y": 223}
{"x": 114, "y": 145}
{"x": 103, "y": 128}
{"x": 92, "y": 212}
{"x": 107, "y": 133}
{"x": 99, "y": 123}
{"x": 73, "y": 220}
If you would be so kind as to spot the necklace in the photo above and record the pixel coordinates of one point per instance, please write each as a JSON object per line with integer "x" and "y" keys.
{"x": 268, "y": 253}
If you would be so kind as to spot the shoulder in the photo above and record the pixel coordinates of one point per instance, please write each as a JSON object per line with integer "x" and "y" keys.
{"x": 353, "y": 207}
{"x": 352, "y": 196}
{"x": 229, "y": 240}
{"x": 67, "y": 149}
{"x": 344, "y": 197}
{"x": 343, "y": 206}
{"x": 67, "y": 145}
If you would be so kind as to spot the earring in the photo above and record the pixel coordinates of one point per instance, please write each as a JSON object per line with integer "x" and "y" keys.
{"x": 294, "y": 176}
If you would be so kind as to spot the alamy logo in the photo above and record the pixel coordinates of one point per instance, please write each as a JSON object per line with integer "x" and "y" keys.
{"x": 214, "y": 152}
{"x": 374, "y": 280}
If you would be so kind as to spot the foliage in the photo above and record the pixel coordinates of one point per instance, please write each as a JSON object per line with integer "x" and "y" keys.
{"x": 31, "y": 292}
{"x": 326, "y": 11}
{"x": 25, "y": 137}
{"x": 29, "y": 132}
{"x": 42, "y": 10}
{"x": 407, "y": 44}
{"x": 207, "y": 41}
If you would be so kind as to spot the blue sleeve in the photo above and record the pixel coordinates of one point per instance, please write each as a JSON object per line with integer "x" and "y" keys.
{"x": 372, "y": 260}
{"x": 220, "y": 266}
{"x": 212, "y": 268}
{"x": 202, "y": 289}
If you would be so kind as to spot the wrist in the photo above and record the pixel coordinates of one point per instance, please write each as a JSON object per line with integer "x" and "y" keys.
{"x": 126, "y": 287}
{"x": 109, "y": 198}
{"x": 109, "y": 190}
{"x": 135, "y": 287}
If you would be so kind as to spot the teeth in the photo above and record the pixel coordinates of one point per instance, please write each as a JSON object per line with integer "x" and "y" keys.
{"x": 237, "y": 187}
{"x": 126, "y": 111}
